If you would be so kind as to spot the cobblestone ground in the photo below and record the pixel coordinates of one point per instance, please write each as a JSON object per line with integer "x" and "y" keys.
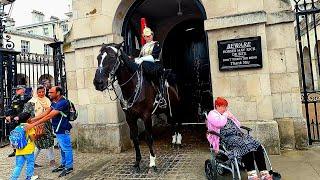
{"x": 82, "y": 161}
{"x": 186, "y": 162}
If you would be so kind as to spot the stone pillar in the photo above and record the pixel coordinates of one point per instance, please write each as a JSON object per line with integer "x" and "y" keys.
{"x": 101, "y": 124}
{"x": 267, "y": 99}
{"x": 285, "y": 86}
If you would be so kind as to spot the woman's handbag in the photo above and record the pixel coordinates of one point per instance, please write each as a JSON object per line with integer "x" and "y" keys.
{"x": 46, "y": 140}
{"x": 40, "y": 130}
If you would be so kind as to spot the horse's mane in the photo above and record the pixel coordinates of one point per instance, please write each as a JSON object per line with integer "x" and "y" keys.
{"x": 123, "y": 55}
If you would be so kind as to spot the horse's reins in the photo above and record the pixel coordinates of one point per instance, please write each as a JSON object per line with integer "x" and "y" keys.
{"x": 137, "y": 90}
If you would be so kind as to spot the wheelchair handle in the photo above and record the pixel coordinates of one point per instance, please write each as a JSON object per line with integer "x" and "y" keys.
{"x": 216, "y": 134}
{"x": 246, "y": 128}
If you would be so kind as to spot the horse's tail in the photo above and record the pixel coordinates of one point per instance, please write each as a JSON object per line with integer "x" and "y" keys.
{"x": 171, "y": 78}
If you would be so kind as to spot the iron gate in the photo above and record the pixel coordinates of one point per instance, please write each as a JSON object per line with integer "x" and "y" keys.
{"x": 30, "y": 70}
{"x": 307, "y": 21}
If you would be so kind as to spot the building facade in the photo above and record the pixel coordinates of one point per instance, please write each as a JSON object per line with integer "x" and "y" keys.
{"x": 266, "y": 98}
{"x": 52, "y": 28}
{"x": 35, "y": 61}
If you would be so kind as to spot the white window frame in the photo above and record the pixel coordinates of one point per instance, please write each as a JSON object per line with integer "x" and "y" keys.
{"x": 25, "y": 46}
{"x": 46, "y": 31}
{"x": 64, "y": 27}
{"x": 46, "y": 49}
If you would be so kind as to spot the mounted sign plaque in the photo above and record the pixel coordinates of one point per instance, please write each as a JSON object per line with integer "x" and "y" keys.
{"x": 240, "y": 53}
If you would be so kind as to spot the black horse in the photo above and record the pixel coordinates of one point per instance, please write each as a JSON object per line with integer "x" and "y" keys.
{"x": 137, "y": 96}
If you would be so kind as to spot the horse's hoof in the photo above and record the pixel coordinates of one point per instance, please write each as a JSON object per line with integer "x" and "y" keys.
{"x": 153, "y": 170}
{"x": 136, "y": 168}
{"x": 173, "y": 145}
{"x": 179, "y": 146}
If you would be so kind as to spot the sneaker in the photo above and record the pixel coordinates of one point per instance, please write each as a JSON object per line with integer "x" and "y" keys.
{"x": 37, "y": 165}
{"x": 34, "y": 177}
{"x": 12, "y": 154}
{"x": 53, "y": 164}
{"x": 265, "y": 175}
{"x": 65, "y": 172}
{"x": 60, "y": 168}
{"x": 252, "y": 175}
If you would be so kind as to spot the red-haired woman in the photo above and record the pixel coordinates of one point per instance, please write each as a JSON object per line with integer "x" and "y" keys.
{"x": 240, "y": 145}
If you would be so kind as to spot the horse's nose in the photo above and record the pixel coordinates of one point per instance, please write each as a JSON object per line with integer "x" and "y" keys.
{"x": 98, "y": 84}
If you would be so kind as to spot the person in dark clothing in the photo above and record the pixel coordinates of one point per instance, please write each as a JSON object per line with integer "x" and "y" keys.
{"x": 16, "y": 107}
{"x": 60, "y": 122}
{"x": 47, "y": 85}
{"x": 149, "y": 60}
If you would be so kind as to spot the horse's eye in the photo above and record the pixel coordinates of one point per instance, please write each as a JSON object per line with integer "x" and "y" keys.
{"x": 112, "y": 55}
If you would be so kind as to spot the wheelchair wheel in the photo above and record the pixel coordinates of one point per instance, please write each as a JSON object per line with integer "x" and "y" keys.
{"x": 211, "y": 169}
{"x": 221, "y": 171}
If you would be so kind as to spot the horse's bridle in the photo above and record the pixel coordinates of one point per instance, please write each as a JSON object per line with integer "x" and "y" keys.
{"x": 112, "y": 73}
{"x": 112, "y": 79}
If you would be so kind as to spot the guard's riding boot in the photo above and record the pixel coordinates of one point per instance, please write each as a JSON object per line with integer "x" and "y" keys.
{"x": 161, "y": 97}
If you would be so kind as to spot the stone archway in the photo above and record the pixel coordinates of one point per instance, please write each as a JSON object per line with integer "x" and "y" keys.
{"x": 172, "y": 25}
{"x": 253, "y": 94}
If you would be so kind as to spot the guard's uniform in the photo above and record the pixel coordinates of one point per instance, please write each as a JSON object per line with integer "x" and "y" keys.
{"x": 148, "y": 58}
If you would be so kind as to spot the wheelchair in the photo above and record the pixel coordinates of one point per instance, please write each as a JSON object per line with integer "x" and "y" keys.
{"x": 220, "y": 165}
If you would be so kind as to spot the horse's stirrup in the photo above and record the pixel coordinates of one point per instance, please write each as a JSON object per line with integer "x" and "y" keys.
{"x": 162, "y": 102}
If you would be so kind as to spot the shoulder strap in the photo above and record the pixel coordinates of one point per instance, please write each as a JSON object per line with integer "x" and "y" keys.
{"x": 62, "y": 113}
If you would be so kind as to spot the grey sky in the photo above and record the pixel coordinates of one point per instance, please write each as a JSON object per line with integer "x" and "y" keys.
{"x": 22, "y": 9}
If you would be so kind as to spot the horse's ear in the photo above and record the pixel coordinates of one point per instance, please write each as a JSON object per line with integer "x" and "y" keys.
{"x": 118, "y": 46}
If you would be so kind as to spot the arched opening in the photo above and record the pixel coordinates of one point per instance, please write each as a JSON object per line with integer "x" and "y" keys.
{"x": 307, "y": 69}
{"x": 316, "y": 64}
{"x": 22, "y": 79}
{"x": 179, "y": 27}
{"x": 45, "y": 77}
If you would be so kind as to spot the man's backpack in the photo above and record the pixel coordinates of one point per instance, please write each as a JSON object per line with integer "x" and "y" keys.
{"x": 73, "y": 113}
{"x": 18, "y": 138}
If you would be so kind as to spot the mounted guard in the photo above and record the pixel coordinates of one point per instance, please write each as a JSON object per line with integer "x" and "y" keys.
{"x": 137, "y": 96}
{"x": 149, "y": 60}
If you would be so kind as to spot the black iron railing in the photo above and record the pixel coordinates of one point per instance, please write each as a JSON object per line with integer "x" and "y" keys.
{"x": 307, "y": 21}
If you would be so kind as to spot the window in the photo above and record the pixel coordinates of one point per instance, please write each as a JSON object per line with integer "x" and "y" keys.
{"x": 46, "y": 49}
{"x": 25, "y": 46}
{"x": 45, "y": 31}
{"x": 30, "y": 32}
{"x": 64, "y": 27}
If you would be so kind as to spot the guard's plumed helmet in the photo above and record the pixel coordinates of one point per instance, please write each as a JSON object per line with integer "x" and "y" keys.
{"x": 147, "y": 31}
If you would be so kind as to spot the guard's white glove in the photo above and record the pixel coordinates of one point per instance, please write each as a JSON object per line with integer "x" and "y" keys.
{"x": 148, "y": 58}
{"x": 138, "y": 60}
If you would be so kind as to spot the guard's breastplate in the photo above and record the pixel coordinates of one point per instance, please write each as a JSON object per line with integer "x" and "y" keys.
{"x": 147, "y": 49}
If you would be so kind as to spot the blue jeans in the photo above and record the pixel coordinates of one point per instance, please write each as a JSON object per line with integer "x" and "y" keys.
{"x": 20, "y": 160}
{"x": 66, "y": 158}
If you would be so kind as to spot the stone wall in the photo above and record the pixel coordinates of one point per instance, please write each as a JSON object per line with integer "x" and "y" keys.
{"x": 267, "y": 99}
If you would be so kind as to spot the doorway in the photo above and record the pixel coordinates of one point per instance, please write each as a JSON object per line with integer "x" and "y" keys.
{"x": 179, "y": 27}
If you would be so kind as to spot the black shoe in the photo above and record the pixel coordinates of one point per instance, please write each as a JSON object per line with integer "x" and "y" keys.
{"x": 65, "y": 172}
{"x": 37, "y": 165}
{"x": 60, "y": 168}
{"x": 12, "y": 154}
